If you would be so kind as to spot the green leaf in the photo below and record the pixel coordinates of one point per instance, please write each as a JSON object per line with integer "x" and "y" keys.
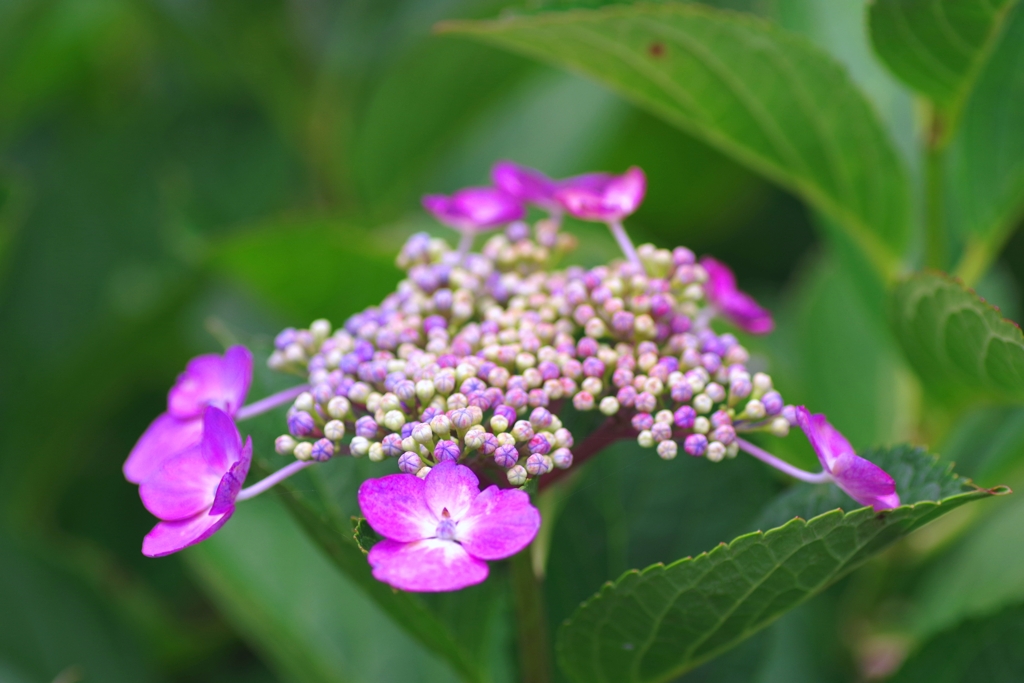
{"x": 977, "y": 651}
{"x": 960, "y": 345}
{"x": 766, "y": 97}
{"x": 312, "y": 623}
{"x": 364, "y": 534}
{"x": 937, "y": 47}
{"x": 656, "y": 624}
{"x": 984, "y": 184}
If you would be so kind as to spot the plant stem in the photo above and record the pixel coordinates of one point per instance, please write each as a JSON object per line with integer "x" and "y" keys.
{"x": 269, "y": 403}
{"x": 531, "y": 619}
{"x": 783, "y": 466}
{"x": 611, "y": 430}
{"x": 275, "y": 478}
{"x": 626, "y": 244}
{"x": 935, "y": 229}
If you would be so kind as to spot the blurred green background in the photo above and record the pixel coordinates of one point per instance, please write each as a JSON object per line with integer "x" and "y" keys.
{"x": 179, "y": 174}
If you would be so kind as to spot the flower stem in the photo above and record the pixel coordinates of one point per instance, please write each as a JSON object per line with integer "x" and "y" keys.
{"x": 465, "y": 243}
{"x": 611, "y": 430}
{"x": 626, "y": 244}
{"x": 783, "y": 466}
{"x": 531, "y": 619}
{"x": 275, "y": 478}
{"x": 269, "y": 403}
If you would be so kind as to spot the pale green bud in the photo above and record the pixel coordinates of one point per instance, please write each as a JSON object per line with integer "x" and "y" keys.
{"x": 516, "y": 475}
{"x": 779, "y": 426}
{"x": 339, "y": 407}
{"x": 716, "y": 451}
{"x": 359, "y": 446}
{"x": 334, "y": 430}
{"x": 609, "y": 405}
{"x": 667, "y": 450}
{"x": 701, "y": 425}
{"x": 303, "y": 450}
{"x": 645, "y": 439}
{"x": 394, "y": 419}
{"x": 424, "y": 390}
{"x": 305, "y": 402}
{"x": 376, "y": 452}
{"x": 499, "y": 424}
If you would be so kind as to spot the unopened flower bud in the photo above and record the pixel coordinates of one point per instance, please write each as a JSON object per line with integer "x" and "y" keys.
{"x": 301, "y": 424}
{"x": 583, "y": 401}
{"x": 702, "y": 425}
{"x": 592, "y": 385}
{"x": 409, "y": 462}
{"x": 702, "y": 403}
{"x": 715, "y": 391}
{"x": 444, "y": 382}
{"x": 338, "y": 407}
{"x": 423, "y": 472}
{"x": 474, "y": 438}
{"x": 394, "y": 419}
{"x": 517, "y": 475}
{"x": 663, "y": 416}
{"x": 522, "y": 431}
{"x": 506, "y": 455}
{"x": 667, "y": 450}
{"x": 716, "y": 451}
{"x": 461, "y": 419}
{"x": 305, "y": 402}
{"x": 762, "y": 384}
{"x": 684, "y": 417}
{"x": 779, "y": 426}
{"x": 359, "y": 446}
{"x": 323, "y": 450}
{"x": 645, "y": 402}
{"x": 541, "y": 418}
{"x": 359, "y": 392}
{"x": 724, "y": 433}
{"x": 457, "y": 401}
{"x": 499, "y": 423}
{"x": 334, "y": 430}
{"x": 772, "y": 402}
{"x": 376, "y": 452}
{"x": 423, "y": 433}
{"x": 645, "y": 439}
{"x": 446, "y": 450}
{"x": 661, "y": 431}
{"x": 321, "y": 329}
{"x": 303, "y": 450}
{"x": 609, "y": 405}
{"x": 754, "y": 410}
{"x": 441, "y": 426}
{"x": 366, "y": 426}
{"x": 695, "y": 445}
{"x": 536, "y": 464}
{"x": 284, "y": 444}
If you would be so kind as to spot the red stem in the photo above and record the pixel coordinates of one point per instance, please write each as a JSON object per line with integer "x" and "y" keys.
{"x": 613, "y": 429}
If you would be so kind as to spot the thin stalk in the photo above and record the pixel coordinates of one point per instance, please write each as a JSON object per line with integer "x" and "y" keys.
{"x": 783, "y": 466}
{"x": 269, "y": 403}
{"x": 275, "y": 478}
{"x": 531, "y": 620}
{"x": 465, "y": 243}
{"x": 626, "y": 244}
{"x": 934, "y": 167}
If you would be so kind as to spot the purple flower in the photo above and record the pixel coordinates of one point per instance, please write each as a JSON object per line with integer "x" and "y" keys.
{"x": 526, "y": 184}
{"x": 194, "y": 492}
{"x": 210, "y": 380}
{"x": 862, "y": 480}
{"x": 474, "y": 208}
{"x": 439, "y": 531}
{"x": 601, "y": 197}
{"x": 738, "y": 306}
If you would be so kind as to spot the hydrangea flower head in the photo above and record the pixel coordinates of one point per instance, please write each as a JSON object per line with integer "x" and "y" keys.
{"x": 209, "y": 380}
{"x": 193, "y": 493}
{"x": 600, "y": 197}
{"x": 474, "y": 208}
{"x": 737, "y": 306}
{"x": 440, "y": 531}
{"x": 862, "y": 480}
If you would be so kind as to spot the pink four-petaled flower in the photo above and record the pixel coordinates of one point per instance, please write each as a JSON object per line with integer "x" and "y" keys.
{"x": 861, "y": 479}
{"x": 210, "y": 380}
{"x": 737, "y": 306}
{"x": 603, "y": 197}
{"x": 194, "y": 492}
{"x": 474, "y": 208}
{"x": 440, "y": 531}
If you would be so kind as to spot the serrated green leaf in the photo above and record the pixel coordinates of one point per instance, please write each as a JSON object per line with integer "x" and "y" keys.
{"x": 364, "y": 534}
{"x": 977, "y": 651}
{"x": 937, "y": 47}
{"x": 770, "y": 99}
{"x": 960, "y": 345}
{"x": 656, "y": 624}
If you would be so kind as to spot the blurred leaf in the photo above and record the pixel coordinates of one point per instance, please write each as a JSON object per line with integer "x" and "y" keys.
{"x": 988, "y": 444}
{"x": 938, "y": 47}
{"x": 960, "y": 346}
{"x": 977, "y": 651}
{"x": 364, "y": 534}
{"x": 978, "y": 576}
{"x": 656, "y": 624}
{"x": 919, "y": 476}
{"x": 985, "y": 159}
{"x": 310, "y": 270}
{"x": 768, "y": 98}
{"x": 51, "y": 624}
{"x": 312, "y": 623}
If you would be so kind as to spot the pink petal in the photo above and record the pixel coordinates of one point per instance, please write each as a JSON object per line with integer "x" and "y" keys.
{"x": 624, "y": 194}
{"x": 741, "y": 308}
{"x": 450, "y": 486}
{"x": 865, "y": 482}
{"x": 221, "y": 444}
{"x": 428, "y": 566}
{"x": 396, "y": 508}
{"x": 499, "y": 524}
{"x": 598, "y": 197}
{"x": 523, "y": 183}
{"x": 221, "y": 381}
{"x": 170, "y": 537}
{"x": 184, "y": 486}
{"x": 828, "y": 443}
{"x": 166, "y": 437}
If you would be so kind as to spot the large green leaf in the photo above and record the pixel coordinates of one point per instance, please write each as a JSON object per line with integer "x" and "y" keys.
{"x": 959, "y": 344}
{"x": 938, "y": 47}
{"x": 977, "y": 651}
{"x": 769, "y": 98}
{"x": 984, "y": 184}
{"x": 656, "y": 624}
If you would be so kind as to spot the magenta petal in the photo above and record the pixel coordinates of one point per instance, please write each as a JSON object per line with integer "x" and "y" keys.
{"x": 451, "y": 487}
{"x": 184, "y": 486}
{"x": 474, "y": 208}
{"x": 170, "y": 537}
{"x": 826, "y": 440}
{"x": 427, "y": 566}
{"x": 523, "y": 183}
{"x": 221, "y": 381}
{"x": 395, "y": 507}
{"x": 597, "y": 197}
{"x": 738, "y": 306}
{"x": 165, "y": 437}
{"x": 865, "y": 482}
{"x": 221, "y": 444}
{"x": 499, "y": 524}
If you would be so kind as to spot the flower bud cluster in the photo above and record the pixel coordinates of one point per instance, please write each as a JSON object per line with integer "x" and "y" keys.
{"x": 475, "y": 357}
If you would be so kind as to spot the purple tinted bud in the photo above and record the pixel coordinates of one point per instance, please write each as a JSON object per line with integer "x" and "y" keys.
{"x": 685, "y": 417}
{"x": 408, "y": 428}
{"x": 789, "y": 412}
{"x": 538, "y": 397}
{"x": 692, "y": 358}
{"x": 583, "y": 400}
{"x": 622, "y": 322}
{"x": 517, "y": 232}
{"x": 434, "y": 322}
{"x": 622, "y": 377}
{"x": 695, "y": 445}
{"x": 646, "y": 402}
{"x": 363, "y": 350}
{"x": 711, "y": 362}
{"x": 490, "y": 443}
{"x": 461, "y": 418}
{"x": 472, "y": 384}
{"x": 478, "y": 399}
{"x": 429, "y": 413}
{"x": 726, "y": 434}
{"x": 284, "y": 338}
{"x": 323, "y": 450}
{"x": 541, "y": 418}
{"x": 517, "y": 398}
{"x": 682, "y": 392}
{"x": 586, "y": 347}
{"x": 446, "y": 450}
{"x": 507, "y": 412}
{"x": 549, "y": 370}
{"x": 366, "y": 427}
{"x": 506, "y": 456}
{"x": 772, "y": 402}
{"x": 642, "y": 421}
{"x": 409, "y": 462}
{"x": 405, "y": 391}
{"x": 719, "y": 418}
{"x": 536, "y": 464}
{"x": 495, "y": 396}
{"x": 301, "y": 424}
{"x": 740, "y": 387}
{"x": 562, "y": 458}
{"x": 392, "y": 445}
{"x": 661, "y": 431}
{"x": 626, "y": 396}
{"x": 592, "y": 367}
{"x": 540, "y": 444}
{"x": 323, "y": 393}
